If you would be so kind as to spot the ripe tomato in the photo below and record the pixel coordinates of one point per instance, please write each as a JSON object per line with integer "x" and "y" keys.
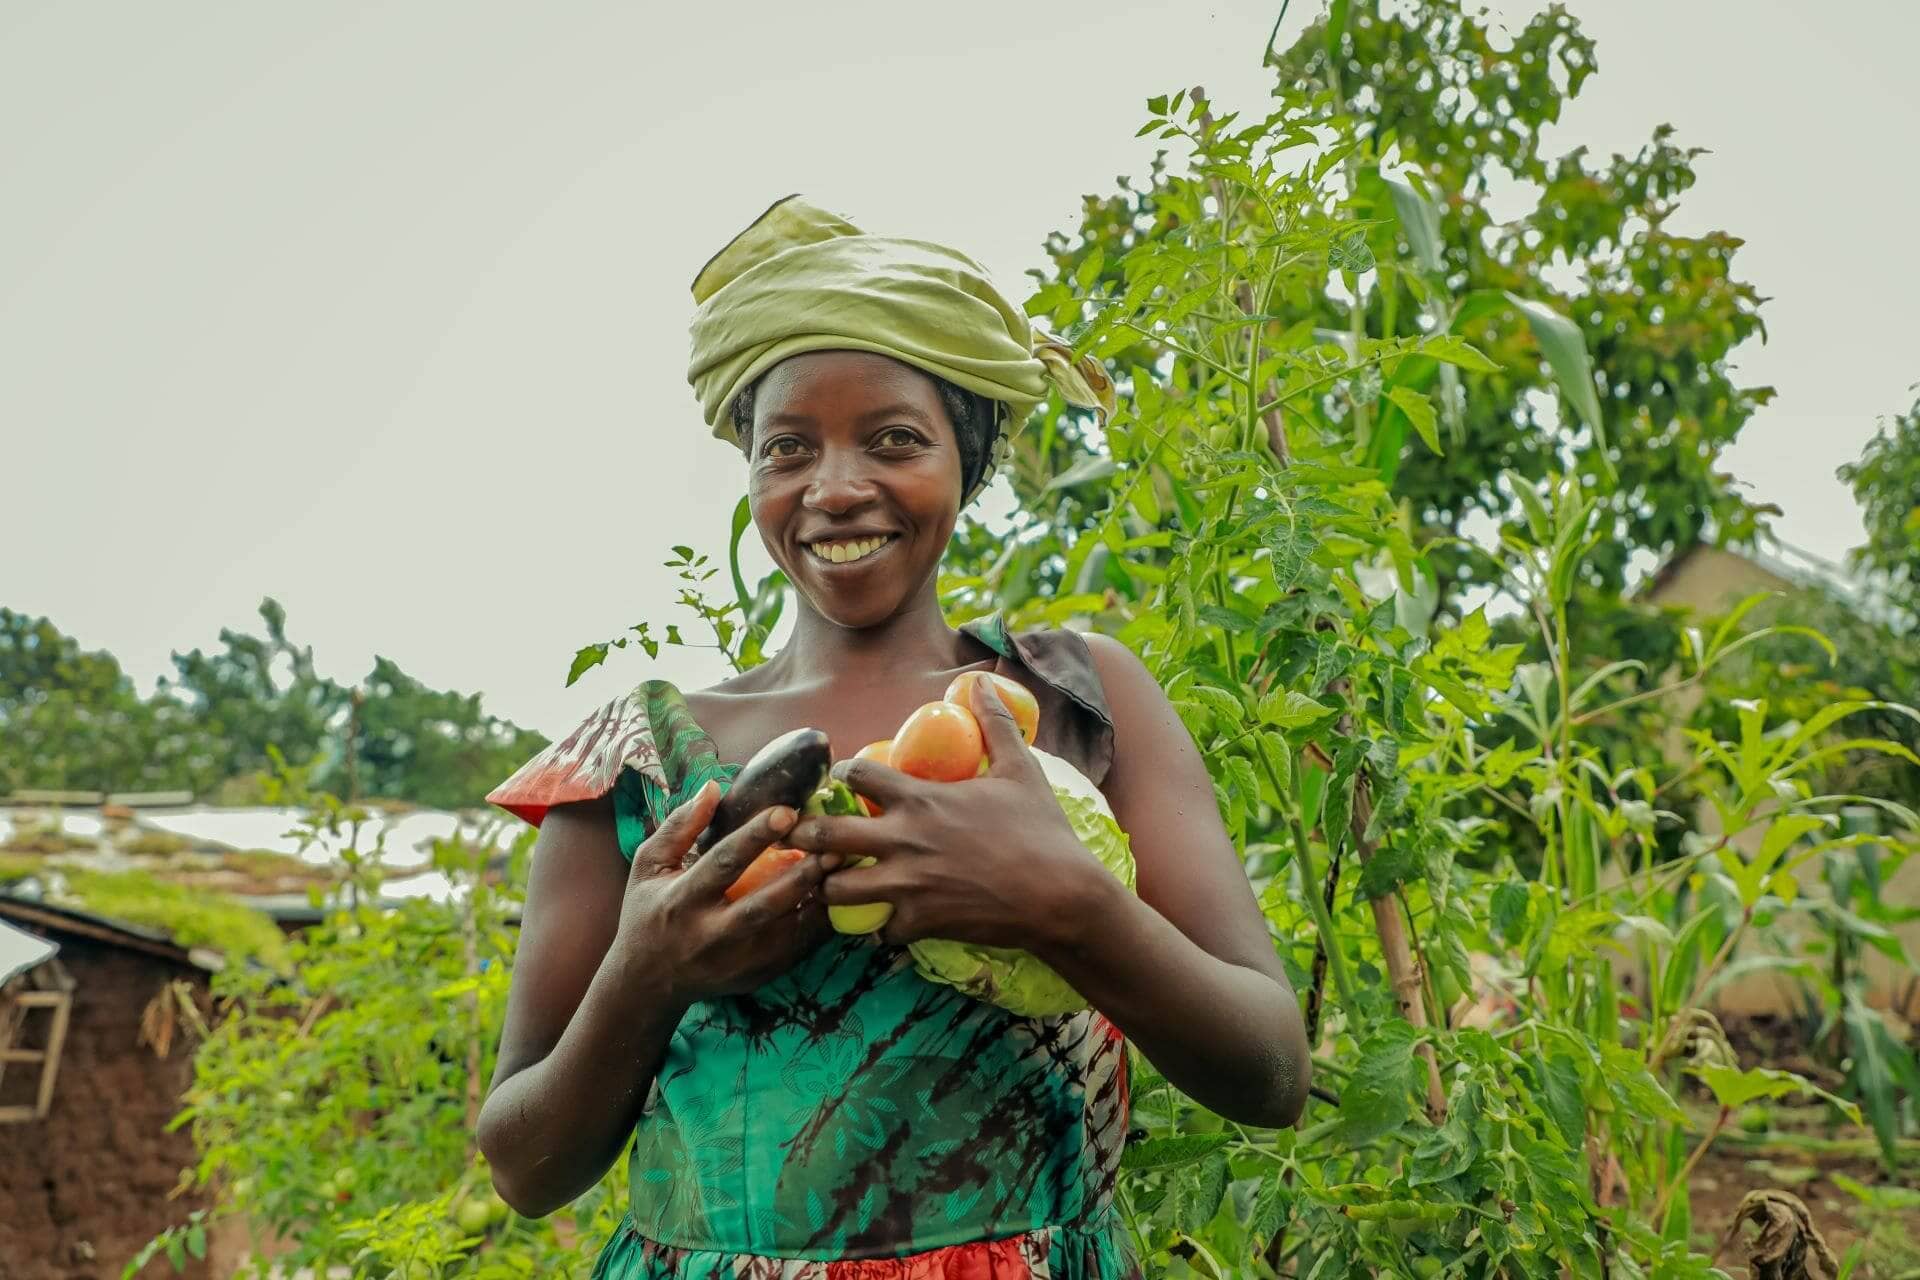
{"x": 1019, "y": 699}
{"x": 940, "y": 743}
{"x": 762, "y": 870}
{"x": 881, "y": 751}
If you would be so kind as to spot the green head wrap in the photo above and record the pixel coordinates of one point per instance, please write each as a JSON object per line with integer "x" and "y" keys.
{"x": 802, "y": 279}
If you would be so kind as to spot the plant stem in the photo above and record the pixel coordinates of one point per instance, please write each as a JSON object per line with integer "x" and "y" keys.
{"x": 1686, "y": 1170}
{"x": 1322, "y": 917}
{"x": 1719, "y": 958}
{"x": 1403, "y": 972}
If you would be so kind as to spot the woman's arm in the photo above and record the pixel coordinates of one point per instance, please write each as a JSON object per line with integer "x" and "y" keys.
{"x": 587, "y": 1022}
{"x": 610, "y": 957}
{"x": 1186, "y": 970}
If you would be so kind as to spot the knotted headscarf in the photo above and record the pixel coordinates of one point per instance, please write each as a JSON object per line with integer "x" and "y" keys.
{"x": 802, "y": 279}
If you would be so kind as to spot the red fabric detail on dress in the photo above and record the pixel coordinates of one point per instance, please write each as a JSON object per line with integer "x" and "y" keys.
{"x": 982, "y": 1260}
{"x": 584, "y": 764}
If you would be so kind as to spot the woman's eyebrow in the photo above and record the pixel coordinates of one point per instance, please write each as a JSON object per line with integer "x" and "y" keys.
{"x": 899, "y": 410}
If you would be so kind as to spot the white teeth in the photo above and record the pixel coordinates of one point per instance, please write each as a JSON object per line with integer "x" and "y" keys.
{"x": 845, "y": 552}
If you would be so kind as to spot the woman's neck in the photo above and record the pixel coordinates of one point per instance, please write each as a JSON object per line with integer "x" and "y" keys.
{"x": 917, "y": 638}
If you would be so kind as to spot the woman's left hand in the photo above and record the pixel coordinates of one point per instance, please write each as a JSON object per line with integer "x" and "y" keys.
{"x": 990, "y": 860}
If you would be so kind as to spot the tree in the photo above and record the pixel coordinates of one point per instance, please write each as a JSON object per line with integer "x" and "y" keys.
{"x": 1449, "y": 120}
{"x": 70, "y": 719}
{"x": 433, "y": 746}
{"x": 253, "y": 693}
{"x": 1886, "y": 483}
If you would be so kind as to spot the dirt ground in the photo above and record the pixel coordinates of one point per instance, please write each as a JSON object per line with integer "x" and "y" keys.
{"x": 1728, "y": 1173}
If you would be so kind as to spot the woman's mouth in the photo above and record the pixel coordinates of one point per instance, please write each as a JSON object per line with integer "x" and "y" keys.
{"x": 849, "y": 550}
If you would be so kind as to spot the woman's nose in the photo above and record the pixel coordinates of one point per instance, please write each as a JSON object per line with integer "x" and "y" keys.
{"x": 842, "y": 481}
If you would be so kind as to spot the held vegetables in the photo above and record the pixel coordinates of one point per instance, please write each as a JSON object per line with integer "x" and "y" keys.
{"x": 941, "y": 742}
{"x": 1015, "y": 980}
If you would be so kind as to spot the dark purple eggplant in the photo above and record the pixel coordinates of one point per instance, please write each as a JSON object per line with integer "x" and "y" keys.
{"x": 785, "y": 771}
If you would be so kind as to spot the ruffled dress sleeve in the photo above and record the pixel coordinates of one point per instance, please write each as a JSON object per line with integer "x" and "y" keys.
{"x": 587, "y": 763}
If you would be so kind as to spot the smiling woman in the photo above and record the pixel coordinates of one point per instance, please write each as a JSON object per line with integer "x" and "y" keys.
{"x": 807, "y": 1104}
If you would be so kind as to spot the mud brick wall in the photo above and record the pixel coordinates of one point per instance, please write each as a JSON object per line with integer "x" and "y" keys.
{"x": 83, "y": 1189}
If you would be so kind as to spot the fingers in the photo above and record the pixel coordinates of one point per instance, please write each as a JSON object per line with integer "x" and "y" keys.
{"x": 721, "y": 865}
{"x": 849, "y": 837}
{"x": 1006, "y": 747}
{"x": 666, "y": 849}
{"x": 883, "y": 784}
{"x": 783, "y": 895}
{"x": 857, "y": 885}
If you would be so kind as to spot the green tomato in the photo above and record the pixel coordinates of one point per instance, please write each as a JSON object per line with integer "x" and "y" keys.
{"x": 862, "y": 917}
{"x": 1427, "y": 1266}
{"x": 471, "y": 1217}
{"x": 285, "y": 1098}
{"x": 1223, "y": 435}
{"x": 497, "y": 1209}
{"x": 1756, "y": 1119}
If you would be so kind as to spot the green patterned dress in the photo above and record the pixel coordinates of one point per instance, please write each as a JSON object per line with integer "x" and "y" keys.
{"x": 851, "y": 1120}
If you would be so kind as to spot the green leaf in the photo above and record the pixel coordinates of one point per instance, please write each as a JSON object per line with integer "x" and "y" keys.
{"x": 1419, "y": 411}
{"x": 1351, "y": 253}
{"x": 1562, "y": 1097}
{"x": 586, "y": 660}
{"x": 197, "y": 1240}
{"x": 1270, "y": 1210}
{"x": 1290, "y": 543}
{"x": 1291, "y": 709}
{"x": 1883, "y": 1070}
{"x": 1389, "y": 868}
{"x": 1201, "y": 1192}
{"x": 1376, "y": 1100}
{"x": 1566, "y": 351}
{"x": 1458, "y": 352}
{"x": 1509, "y": 910}
{"x": 1447, "y": 1152}
{"x": 1090, "y": 468}
{"x": 1222, "y": 704}
{"x": 1420, "y": 222}
{"x": 742, "y": 519}
{"x": 1733, "y": 1087}
{"x": 1168, "y": 1153}
{"x": 1336, "y": 27}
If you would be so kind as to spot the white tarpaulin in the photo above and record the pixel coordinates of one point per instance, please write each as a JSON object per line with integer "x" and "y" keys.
{"x": 20, "y": 950}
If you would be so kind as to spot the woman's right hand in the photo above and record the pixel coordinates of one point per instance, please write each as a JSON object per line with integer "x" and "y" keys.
{"x": 703, "y": 945}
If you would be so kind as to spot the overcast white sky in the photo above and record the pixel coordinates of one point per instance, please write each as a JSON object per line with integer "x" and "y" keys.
{"x": 380, "y": 308}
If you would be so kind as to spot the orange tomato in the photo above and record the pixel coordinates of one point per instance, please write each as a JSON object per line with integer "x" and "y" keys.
{"x": 1019, "y": 699}
{"x": 762, "y": 871}
{"x": 940, "y": 743}
{"x": 881, "y": 751}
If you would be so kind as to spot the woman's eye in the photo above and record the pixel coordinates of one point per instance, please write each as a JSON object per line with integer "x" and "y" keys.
{"x": 781, "y": 447}
{"x": 898, "y": 438}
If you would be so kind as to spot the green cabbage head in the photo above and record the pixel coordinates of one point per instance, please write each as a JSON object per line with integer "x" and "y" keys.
{"x": 1016, "y": 980}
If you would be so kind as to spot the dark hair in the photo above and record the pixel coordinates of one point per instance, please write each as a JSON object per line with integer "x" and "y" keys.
{"x": 975, "y": 421}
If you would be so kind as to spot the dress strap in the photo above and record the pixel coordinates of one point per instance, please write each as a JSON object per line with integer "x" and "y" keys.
{"x": 1078, "y": 727}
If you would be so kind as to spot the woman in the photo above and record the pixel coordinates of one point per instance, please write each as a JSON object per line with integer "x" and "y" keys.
{"x": 805, "y": 1104}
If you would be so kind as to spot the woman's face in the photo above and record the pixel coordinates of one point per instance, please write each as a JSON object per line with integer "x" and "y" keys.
{"x": 854, "y": 481}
